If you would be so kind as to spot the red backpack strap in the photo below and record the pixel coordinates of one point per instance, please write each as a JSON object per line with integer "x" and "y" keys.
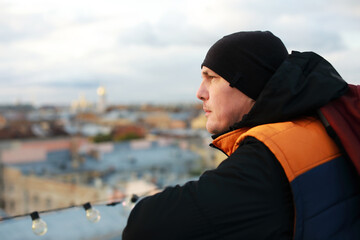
{"x": 341, "y": 118}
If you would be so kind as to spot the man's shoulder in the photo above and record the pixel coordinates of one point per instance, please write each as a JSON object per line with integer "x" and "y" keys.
{"x": 296, "y": 144}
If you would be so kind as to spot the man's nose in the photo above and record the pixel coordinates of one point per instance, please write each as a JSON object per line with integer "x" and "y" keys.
{"x": 202, "y": 92}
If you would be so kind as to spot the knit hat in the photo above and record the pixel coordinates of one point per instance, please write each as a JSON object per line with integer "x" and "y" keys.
{"x": 246, "y": 60}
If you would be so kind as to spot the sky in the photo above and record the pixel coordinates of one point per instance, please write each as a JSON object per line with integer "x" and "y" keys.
{"x": 141, "y": 51}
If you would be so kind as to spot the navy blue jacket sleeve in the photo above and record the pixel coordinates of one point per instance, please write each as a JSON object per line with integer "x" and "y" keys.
{"x": 246, "y": 197}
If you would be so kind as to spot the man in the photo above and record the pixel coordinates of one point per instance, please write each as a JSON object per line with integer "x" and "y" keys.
{"x": 284, "y": 178}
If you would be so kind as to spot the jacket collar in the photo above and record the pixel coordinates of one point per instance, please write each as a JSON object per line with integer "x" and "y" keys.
{"x": 227, "y": 142}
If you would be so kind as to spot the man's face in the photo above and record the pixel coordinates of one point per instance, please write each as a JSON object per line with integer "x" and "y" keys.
{"x": 223, "y": 105}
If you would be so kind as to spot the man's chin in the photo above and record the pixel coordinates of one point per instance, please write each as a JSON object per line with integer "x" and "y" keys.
{"x": 212, "y": 129}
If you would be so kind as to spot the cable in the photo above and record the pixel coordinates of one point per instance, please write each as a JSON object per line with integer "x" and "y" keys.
{"x": 133, "y": 199}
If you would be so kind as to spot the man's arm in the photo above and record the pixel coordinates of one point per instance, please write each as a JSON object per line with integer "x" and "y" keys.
{"x": 246, "y": 197}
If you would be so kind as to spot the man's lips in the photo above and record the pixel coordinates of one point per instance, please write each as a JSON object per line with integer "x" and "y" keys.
{"x": 207, "y": 111}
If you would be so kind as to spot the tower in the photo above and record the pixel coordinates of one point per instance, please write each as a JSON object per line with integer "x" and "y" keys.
{"x": 101, "y": 106}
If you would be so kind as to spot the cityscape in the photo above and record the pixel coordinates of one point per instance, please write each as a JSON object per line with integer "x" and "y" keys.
{"x": 98, "y": 101}
{"x": 55, "y": 157}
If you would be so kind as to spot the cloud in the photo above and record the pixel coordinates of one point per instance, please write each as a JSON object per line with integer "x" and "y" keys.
{"x": 152, "y": 50}
{"x": 171, "y": 30}
{"x": 309, "y": 38}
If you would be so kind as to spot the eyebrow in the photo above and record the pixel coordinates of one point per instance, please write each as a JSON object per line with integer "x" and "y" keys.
{"x": 206, "y": 73}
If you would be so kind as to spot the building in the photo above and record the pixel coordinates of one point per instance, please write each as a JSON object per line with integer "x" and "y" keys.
{"x": 28, "y": 193}
{"x": 199, "y": 122}
{"x": 101, "y": 105}
{"x": 49, "y": 173}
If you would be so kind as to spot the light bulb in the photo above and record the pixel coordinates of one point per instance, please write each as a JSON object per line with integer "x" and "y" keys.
{"x": 39, "y": 227}
{"x": 130, "y": 202}
{"x": 92, "y": 214}
{"x": 134, "y": 198}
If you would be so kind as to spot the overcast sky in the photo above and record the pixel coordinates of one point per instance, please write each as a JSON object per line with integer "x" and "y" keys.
{"x": 51, "y": 52}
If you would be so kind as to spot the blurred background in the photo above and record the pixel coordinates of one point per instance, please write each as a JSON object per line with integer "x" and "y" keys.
{"x": 97, "y": 98}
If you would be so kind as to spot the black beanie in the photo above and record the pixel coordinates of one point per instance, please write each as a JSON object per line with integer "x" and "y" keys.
{"x": 246, "y": 60}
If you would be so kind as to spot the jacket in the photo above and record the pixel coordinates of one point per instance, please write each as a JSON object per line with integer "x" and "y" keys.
{"x": 311, "y": 161}
{"x": 249, "y": 195}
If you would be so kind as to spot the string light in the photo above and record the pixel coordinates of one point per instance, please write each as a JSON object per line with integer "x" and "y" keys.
{"x": 130, "y": 201}
{"x": 39, "y": 227}
{"x": 126, "y": 201}
{"x": 92, "y": 214}
{"x": 134, "y": 198}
